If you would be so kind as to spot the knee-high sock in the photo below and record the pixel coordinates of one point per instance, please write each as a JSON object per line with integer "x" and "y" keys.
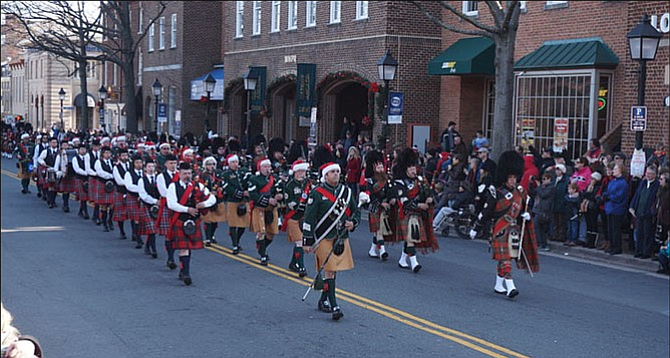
{"x": 66, "y": 200}
{"x": 104, "y": 217}
{"x": 261, "y": 246}
{"x": 267, "y": 242}
{"x": 169, "y": 250}
{"x": 25, "y": 183}
{"x": 133, "y": 230}
{"x": 240, "y": 232}
{"x": 331, "y": 292}
{"x": 409, "y": 250}
{"x": 185, "y": 263}
{"x": 301, "y": 254}
{"x": 214, "y": 227}
{"x": 121, "y": 229}
{"x": 324, "y": 293}
{"x": 151, "y": 242}
{"x": 96, "y": 212}
{"x": 208, "y": 231}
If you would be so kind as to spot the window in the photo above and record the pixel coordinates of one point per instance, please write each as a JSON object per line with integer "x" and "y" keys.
{"x": 555, "y": 5}
{"x": 161, "y": 33}
{"x": 276, "y": 16}
{"x": 173, "y": 31}
{"x": 4, "y": 19}
{"x": 151, "y": 38}
{"x": 256, "y": 26}
{"x": 310, "y": 13}
{"x": 239, "y": 19}
{"x": 361, "y": 10}
{"x": 139, "y": 66}
{"x": 335, "y": 7}
{"x": 140, "y": 23}
{"x": 550, "y": 3}
{"x": 115, "y": 74}
{"x": 471, "y": 8}
{"x": 3, "y": 39}
{"x": 292, "y": 15}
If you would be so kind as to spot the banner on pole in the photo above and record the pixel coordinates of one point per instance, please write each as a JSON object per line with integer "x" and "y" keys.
{"x": 561, "y": 134}
{"x": 305, "y": 89}
{"x": 258, "y": 95}
{"x": 396, "y": 102}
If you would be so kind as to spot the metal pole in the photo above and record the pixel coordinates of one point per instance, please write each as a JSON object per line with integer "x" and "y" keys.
{"x": 102, "y": 115}
{"x": 248, "y": 118}
{"x": 158, "y": 130}
{"x": 385, "y": 129}
{"x": 207, "y": 115}
{"x": 62, "y": 126}
{"x": 641, "y": 88}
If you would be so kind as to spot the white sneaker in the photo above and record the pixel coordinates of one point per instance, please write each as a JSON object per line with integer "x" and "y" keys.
{"x": 402, "y": 263}
{"x": 373, "y": 251}
{"x": 382, "y": 253}
{"x": 415, "y": 264}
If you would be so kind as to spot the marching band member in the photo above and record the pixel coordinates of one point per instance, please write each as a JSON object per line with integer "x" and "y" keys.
{"x": 237, "y": 207}
{"x": 65, "y": 174}
{"x": 131, "y": 182}
{"x": 81, "y": 180}
{"x": 149, "y": 199}
{"x": 378, "y": 191}
{"x": 264, "y": 215}
{"x": 169, "y": 175}
{"x": 94, "y": 185}
{"x": 297, "y": 190}
{"x": 41, "y": 144}
{"x": 211, "y": 178}
{"x": 23, "y": 153}
{"x": 508, "y": 209}
{"x": 414, "y": 212}
{"x": 184, "y": 232}
{"x": 330, "y": 215}
{"x": 47, "y": 161}
{"x": 120, "y": 195}
{"x": 105, "y": 174}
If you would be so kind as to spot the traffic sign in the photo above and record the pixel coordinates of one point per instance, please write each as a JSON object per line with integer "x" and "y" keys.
{"x": 162, "y": 113}
{"x": 638, "y": 118}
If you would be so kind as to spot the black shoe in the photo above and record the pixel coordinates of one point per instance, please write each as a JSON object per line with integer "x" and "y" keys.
{"x": 236, "y": 250}
{"x": 208, "y": 243}
{"x": 171, "y": 265}
{"x": 85, "y": 216}
{"x": 293, "y": 267}
{"x": 39, "y": 195}
{"x": 154, "y": 255}
{"x": 187, "y": 280}
{"x": 123, "y": 237}
{"x": 500, "y": 292}
{"x": 302, "y": 272}
{"x": 146, "y": 250}
{"x": 403, "y": 267}
{"x": 214, "y": 240}
{"x": 139, "y": 244}
{"x": 612, "y": 253}
{"x": 513, "y": 293}
{"x": 645, "y": 257}
{"x": 24, "y": 191}
{"x": 637, "y": 255}
{"x": 264, "y": 260}
{"x": 324, "y": 306}
{"x": 106, "y": 228}
{"x": 66, "y": 209}
{"x": 385, "y": 256}
{"x": 98, "y": 222}
{"x": 337, "y": 313}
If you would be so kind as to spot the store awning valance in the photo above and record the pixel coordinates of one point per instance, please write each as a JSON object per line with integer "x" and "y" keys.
{"x": 78, "y": 98}
{"x": 576, "y": 53}
{"x": 474, "y": 55}
{"x": 198, "y": 86}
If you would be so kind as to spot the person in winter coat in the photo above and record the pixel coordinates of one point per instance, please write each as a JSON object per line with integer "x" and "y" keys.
{"x": 616, "y": 203}
{"x": 582, "y": 174}
{"x": 663, "y": 207}
{"x": 590, "y": 209}
{"x": 544, "y": 202}
{"x": 560, "y": 209}
{"x": 643, "y": 209}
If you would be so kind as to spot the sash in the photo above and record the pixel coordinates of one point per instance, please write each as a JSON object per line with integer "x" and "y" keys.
{"x": 182, "y": 201}
{"x": 25, "y": 151}
{"x": 264, "y": 189}
{"x": 163, "y": 202}
{"x": 333, "y": 200}
{"x": 290, "y": 214}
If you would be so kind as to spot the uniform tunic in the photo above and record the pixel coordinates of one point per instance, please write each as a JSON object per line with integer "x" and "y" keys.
{"x": 234, "y": 185}
{"x": 261, "y": 189}
{"x": 297, "y": 193}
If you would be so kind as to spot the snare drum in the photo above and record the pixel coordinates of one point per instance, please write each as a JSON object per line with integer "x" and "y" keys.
{"x": 51, "y": 175}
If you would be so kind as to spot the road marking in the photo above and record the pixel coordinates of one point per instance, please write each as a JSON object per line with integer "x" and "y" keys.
{"x": 33, "y": 229}
{"x": 395, "y": 314}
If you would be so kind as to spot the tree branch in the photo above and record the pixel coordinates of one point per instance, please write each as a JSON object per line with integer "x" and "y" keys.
{"x": 443, "y": 24}
{"x": 469, "y": 19}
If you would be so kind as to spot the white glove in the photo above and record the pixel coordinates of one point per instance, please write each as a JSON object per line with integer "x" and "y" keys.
{"x": 526, "y": 216}
{"x": 473, "y": 234}
{"x": 59, "y": 174}
{"x": 363, "y": 197}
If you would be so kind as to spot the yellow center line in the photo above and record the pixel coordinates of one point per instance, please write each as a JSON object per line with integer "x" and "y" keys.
{"x": 380, "y": 308}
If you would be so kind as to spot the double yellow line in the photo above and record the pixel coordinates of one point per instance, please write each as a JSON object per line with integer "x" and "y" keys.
{"x": 464, "y": 339}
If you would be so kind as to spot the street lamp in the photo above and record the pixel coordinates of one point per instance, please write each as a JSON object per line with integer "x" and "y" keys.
{"x": 250, "y": 81}
{"x": 102, "y": 92}
{"x": 61, "y": 95}
{"x": 210, "y": 82}
{"x": 157, "y": 87}
{"x": 643, "y": 42}
{"x": 387, "y": 66}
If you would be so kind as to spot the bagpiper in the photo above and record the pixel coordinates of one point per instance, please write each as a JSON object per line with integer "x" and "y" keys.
{"x": 185, "y": 199}
{"x": 265, "y": 199}
{"x": 47, "y": 162}
{"x": 81, "y": 180}
{"x": 297, "y": 192}
{"x": 212, "y": 179}
{"x": 94, "y": 185}
{"x": 330, "y": 215}
{"x": 105, "y": 175}
{"x": 415, "y": 212}
{"x": 131, "y": 181}
{"x": 149, "y": 199}
{"x": 378, "y": 191}
{"x": 23, "y": 152}
{"x": 41, "y": 144}
{"x": 238, "y": 212}
{"x": 65, "y": 174}
{"x": 120, "y": 195}
{"x": 168, "y": 176}
{"x": 513, "y": 236}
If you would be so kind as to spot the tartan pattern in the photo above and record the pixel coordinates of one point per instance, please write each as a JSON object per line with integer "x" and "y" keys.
{"x": 120, "y": 209}
{"x": 67, "y": 185}
{"x": 147, "y": 224}
{"x": 40, "y": 177}
{"x": 93, "y": 189}
{"x": 374, "y": 219}
{"x": 164, "y": 225}
{"x": 104, "y": 198}
{"x": 132, "y": 208}
{"x": 180, "y": 241}
{"x": 79, "y": 190}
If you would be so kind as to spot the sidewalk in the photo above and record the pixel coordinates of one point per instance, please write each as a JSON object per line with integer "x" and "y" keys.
{"x": 625, "y": 259}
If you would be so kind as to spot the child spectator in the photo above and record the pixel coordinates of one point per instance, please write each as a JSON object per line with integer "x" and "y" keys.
{"x": 573, "y": 200}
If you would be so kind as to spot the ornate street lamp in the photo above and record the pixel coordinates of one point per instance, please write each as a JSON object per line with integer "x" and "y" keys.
{"x": 210, "y": 82}
{"x": 157, "y": 88}
{"x": 387, "y": 67}
{"x": 61, "y": 95}
{"x": 102, "y": 93}
{"x": 250, "y": 82}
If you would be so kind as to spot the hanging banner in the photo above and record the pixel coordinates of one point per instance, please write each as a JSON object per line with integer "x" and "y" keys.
{"x": 637, "y": 163}
{"x": 258, "y": 96}
{"x": 396, "y": 100}
{"x": 305, "y": 89}
{"x": 527, "y": 132}
{"x": 561, "y": 134}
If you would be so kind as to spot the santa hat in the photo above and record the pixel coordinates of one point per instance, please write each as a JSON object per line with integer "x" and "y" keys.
{"x": 167, "y": 145}
{"x": 140, "y": 145}
{"x": 232, "y": 158}
{"x": 299, "y": 165}
{"x": 260, "y": 163}
{"x": 25, "y": 136}
{"x": 209, "y": 159}
{"x": 186, "y": 152}
{"x": 105, "y": 140}
{"x": 596, "y": 176}
{"x": 328, "y": 167}
{"x": 121, "y": 138}
{"x": 76, "y": 140}
{"x": 150, "y": 145}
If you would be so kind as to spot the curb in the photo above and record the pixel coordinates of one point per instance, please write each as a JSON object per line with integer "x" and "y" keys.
{"x": 626, "y": 260}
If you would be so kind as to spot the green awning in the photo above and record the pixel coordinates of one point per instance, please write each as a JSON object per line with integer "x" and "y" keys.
{"x": 467, "y": 56}
{"x": 589, "y": 52}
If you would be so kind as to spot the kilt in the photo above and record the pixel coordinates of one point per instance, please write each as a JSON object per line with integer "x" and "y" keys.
{"x": 163, "y": 220}
{"x": 293, "y": 232}
{"x": 180, "y": 241}
{"x": 258, "y": 222}
{"x": 133, "y": 208}
{"x": 216, "y": 216}
{"x": 82, "y": 195}
{"x": 41, "y": 172}
{"x": 67, "y": 185}
{"x": 94, "y": 187}
{"x": 428, "y": 241}
{"x": 374, "y": 219}
{"x": 23, "y": 171}
{"x": 105, "y": 198}
{"x": 147, "y": 223}
{"x": 335, "y": 263}
{"x": 120, "y": 209}
{"x": 500, "y": 244}
{"x": 235, "y": 220}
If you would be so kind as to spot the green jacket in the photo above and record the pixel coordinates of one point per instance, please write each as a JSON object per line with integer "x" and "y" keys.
{"x": 234, "y": 184}
{"x": 213, "y": 183}
{"x": 294, "y": 194}
{"x": 318, "y": 206}
{"x": 257, "y": 183}
{"x": 26, "y": 156}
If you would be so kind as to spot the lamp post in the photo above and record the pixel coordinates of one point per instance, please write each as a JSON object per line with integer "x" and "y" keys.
{"x": 61, "y": 95}
{"x": 643, "y": 42}
{"x": 387, "y": 66}
{"x": 250, "y": 81}
{"x": 102, "y": 92}
{"x": 210, "y": 82}
{"x": 157, "y": 88}
{"x": 37, "y": 112}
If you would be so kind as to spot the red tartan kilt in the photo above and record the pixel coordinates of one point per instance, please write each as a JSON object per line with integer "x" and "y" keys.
{"x": 41, "y": 180}
{"x": 133, "y": 208}
{"x": 374, "y": 219}
{"x": 163, "y": 226}
{"x": 180, "y": 241}
{"x": 67, "y": 185}
{"x": 79, "y": 189}
{"x": 147, "y": 224}
{"x": 104, "y": 198}
{"x": 500, "y": 240}
{"x": 93, "y": 189}
{"x": 120, "y": 209}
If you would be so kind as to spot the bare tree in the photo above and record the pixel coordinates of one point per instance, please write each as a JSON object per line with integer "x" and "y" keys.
{"x": 121, "y": 44}
{"x": 63, "y": 28}
{"x": 503, "y": 32}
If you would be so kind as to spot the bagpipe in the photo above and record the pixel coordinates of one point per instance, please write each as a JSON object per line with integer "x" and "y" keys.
{"x": 199, "y": 196}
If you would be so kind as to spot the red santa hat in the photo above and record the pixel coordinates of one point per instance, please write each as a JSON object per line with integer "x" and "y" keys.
{"x": 140, "y": 145}
{"x": 164, "y": 145}
{"x": 209, "y": 159}
{"x": 328, "y": 167}
{"x": 232, "y": 158}
{"x": 299, "y": 165}
{"x": 260, "y": 163}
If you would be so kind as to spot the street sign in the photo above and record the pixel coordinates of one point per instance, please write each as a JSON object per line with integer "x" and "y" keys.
{"x": 102, "y": 116}
{"x": 395, "y": 108}
{"x": 162, "y": 113}
{"x": 638, "y": 118}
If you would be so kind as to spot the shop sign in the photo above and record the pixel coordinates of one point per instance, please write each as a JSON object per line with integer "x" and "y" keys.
{"x": 561, "y": 134}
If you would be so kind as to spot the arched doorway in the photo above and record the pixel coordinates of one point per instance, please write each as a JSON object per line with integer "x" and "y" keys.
{"x": 282, "y": 120}
{"x": 90, "y": 102}
{"x": 235, "y": 106}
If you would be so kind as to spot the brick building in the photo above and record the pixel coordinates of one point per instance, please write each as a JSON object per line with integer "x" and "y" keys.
{"x": 572, "y": 63}
{"x": 344, "y": 40}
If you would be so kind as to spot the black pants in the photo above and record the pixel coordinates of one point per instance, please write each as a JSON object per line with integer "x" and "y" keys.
{"x": 614, "y": 228}
{"x": 645, "y": 236}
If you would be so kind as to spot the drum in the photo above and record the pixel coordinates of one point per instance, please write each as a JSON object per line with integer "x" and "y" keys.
{"x": 51, "y": 175}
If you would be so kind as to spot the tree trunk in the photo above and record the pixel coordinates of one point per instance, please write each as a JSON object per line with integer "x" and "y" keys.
{"x": 83, "y": 86}
{"x": 129, "y": 90}
{"x": 503, "y": 118}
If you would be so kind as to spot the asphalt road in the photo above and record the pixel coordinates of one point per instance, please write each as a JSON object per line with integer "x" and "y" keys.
{"x": 84, "y": 293}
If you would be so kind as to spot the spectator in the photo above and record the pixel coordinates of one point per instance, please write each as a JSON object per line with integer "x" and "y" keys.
{"x": 605, "y": 242}
{"x": 616, "y": 202}
{"x": 544, "y": 201}
{"x": 14, "y": 345}
{"x": 561, "y": 209}
{"x": 659, "y": 158}
{"x": 353, "y": 175}
{"x": 346, "y": 127}
{"x": 448, "y": 137}
{"x": 642, "y": 208}
{"x": 663, "y": 206}
{"x": 663, "y": 258}
{"x": 479, "y": 142}
{"x": 582, "y": 174}
{"x": 456, "y": 174}
{"x": 594, "y": 150}
{"x": 530, "y": 173}
{"x": 472, "y": 176}
{"x": 573, "y": 200}
{"x": 548, "y": 161}
{"x": 349, "y": 141}
{"x": 486, "y": 162}
{"x": 459, "y": 148}
{"x": 431, "y": 164}
{"x": 590, "y": 209}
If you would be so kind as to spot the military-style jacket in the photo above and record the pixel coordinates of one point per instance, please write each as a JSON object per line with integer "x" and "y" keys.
{"x": 321, "y": 199}
{"x": 235, "y": 183}
{"x": 213, "y": 182}
{"x": 409, "y": 194}
{"x": 262, "y": 188}
{"x": 24, "y": 152}
{"x": 380, "y": 191}
{"x": 297, "y": 193}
